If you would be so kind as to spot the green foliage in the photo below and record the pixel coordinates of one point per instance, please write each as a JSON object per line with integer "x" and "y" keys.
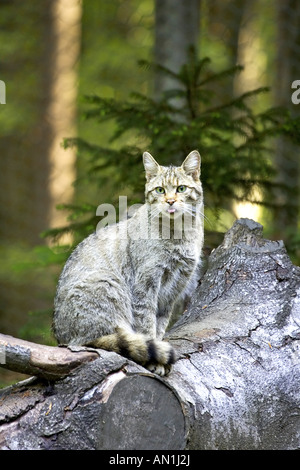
{"x": 22, "y": 269}
{"x": 235, "y": 143}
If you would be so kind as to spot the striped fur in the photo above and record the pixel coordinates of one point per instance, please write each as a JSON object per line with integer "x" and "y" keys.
{"x": 137, "y": 347}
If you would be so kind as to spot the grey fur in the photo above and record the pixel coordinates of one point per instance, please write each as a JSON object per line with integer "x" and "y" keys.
{"x": 120, "y": 278}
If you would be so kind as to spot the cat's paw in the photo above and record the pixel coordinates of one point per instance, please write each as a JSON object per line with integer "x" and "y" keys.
{"x": 162, "y": 353}
{"x": 160, "y": 369}
{"x": 161, "y": 356}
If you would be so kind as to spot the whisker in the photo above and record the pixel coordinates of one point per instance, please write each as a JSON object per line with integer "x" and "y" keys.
{"x": 206, "y": 218}
{"x": 191, "y": 209}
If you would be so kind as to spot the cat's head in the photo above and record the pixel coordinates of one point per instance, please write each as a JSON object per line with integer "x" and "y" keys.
{"x": 171, "y": 190}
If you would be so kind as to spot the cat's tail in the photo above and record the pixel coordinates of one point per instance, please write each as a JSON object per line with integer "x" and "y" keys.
{"x": 155, "y": 355}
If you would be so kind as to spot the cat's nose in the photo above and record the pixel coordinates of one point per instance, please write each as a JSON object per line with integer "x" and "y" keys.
{"x": 170, "y": 201}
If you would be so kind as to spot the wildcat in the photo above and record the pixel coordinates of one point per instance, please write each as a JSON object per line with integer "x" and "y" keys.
{"x": 119, "y": 286}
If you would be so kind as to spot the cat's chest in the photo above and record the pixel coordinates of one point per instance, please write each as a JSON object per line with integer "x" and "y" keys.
{"x": 174, "y": 269}
{"x": 183, "y": 259}
{"x": 179, "y": 265}
{"x": 163, "y": 264}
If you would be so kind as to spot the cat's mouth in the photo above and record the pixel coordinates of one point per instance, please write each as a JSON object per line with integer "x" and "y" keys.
{"x": 173, "y": 211}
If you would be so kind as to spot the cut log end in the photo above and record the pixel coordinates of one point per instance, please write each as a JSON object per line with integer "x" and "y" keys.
{"x": 120, "y": 412}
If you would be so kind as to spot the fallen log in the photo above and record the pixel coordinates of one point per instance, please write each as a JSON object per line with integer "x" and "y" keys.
{"x": 235, "y": 384}
{"x": 48, "y": 362}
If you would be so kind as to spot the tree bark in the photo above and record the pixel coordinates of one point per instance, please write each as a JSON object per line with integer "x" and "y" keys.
{"x": 235, "y": 384}
{"x": 47, "y": 362}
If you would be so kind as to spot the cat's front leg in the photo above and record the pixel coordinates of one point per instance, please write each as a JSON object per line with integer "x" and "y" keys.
{"x": 161, "y": 353}
{"x": 162, "y": 320}
{"x": 144, "y": 312}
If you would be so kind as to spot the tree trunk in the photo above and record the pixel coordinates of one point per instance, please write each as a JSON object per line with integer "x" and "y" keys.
{"x": 61, "y": 110}
{"x": 176, "y": 30}
{"x": 235, "y": 384}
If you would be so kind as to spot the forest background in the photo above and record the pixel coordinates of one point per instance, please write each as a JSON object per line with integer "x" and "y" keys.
{"x": 56, "y": 53}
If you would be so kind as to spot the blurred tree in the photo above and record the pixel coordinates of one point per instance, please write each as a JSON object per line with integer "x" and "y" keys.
{"x": 225, "y": 20}
{"x": 60, "y": 114}
{"x": 177, "y": 24}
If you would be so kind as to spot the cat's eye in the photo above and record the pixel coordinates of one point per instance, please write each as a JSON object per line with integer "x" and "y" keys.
{"x": 160, "y": 190}
{"x": 181, "y": 189}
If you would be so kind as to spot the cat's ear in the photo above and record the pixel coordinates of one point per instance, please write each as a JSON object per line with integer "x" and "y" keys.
{"x": 151, "y": 166}
{"x": 191, "y": 165}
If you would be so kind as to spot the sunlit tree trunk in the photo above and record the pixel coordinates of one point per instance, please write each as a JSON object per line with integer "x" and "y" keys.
{"x": 245, "y": 50}
{"x": 61, "y": 110}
